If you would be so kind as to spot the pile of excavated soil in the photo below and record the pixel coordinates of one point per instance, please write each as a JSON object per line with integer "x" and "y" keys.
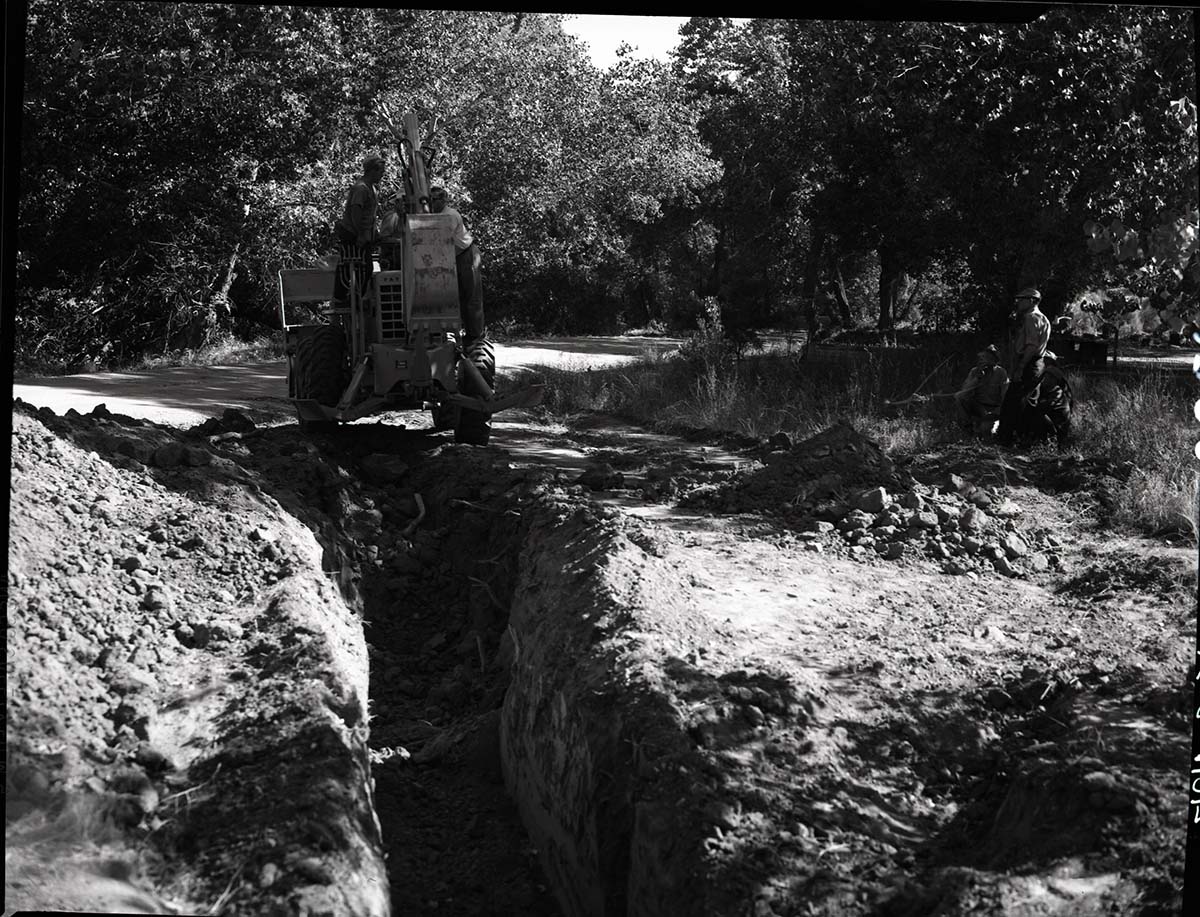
{"x": 1153, "y": 576}
{"x": 192, "y": 616}
{"x": 187, "y": 695}
{"x": 847, "y": 497}
{"x": 809, "y": 477}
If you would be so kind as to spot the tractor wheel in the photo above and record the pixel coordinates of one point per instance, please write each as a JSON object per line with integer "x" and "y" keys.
{"x": 320, "y": 371}
{"x": 475, "y": 427}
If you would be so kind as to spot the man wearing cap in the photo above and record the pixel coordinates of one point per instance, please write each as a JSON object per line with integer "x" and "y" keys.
{"x": 1033, "y": 335}
{"x": 1051, "y": 415}
{"x": 466, "y": 257}
{"x": 355, "y": 229}
{"x": 978, "y": 401}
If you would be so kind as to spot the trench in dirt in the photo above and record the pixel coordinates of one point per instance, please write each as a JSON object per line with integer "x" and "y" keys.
{"x": 514, "y": 679}
{"x": 424, "y": 539}
{"x": 544, "y": 666}
{"x": 435, "y": 610}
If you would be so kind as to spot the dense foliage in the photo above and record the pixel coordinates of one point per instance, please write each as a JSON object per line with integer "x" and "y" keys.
{"x": 175, "y": 156}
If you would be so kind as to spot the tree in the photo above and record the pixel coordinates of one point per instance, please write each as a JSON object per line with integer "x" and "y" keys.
{"x": 165, "y": 125}
{"x": 939, "y": 143}
{"x": 177, "y": 155}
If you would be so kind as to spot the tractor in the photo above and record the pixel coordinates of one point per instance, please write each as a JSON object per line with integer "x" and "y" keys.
{"x": 397, "y": 343}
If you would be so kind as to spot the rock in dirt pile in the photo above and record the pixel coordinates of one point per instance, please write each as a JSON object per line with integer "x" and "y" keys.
{"x": 841, "y": 484}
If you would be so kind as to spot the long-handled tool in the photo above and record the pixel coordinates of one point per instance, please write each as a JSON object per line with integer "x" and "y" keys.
{"x": 924, "y": 381}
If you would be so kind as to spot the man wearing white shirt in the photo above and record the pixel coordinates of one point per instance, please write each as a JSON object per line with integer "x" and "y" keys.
{"x": 466, "y": 256}
{"x": 1029, "y": 350}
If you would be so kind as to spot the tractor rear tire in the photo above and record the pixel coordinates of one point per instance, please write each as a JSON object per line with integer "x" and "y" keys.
{"x": 475, "y": 427}
{"x": 320, "y": 367}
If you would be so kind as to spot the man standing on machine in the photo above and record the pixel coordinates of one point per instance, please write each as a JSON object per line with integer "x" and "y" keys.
{"x": 356, "y": 231}
{"x": 466, "y": 257}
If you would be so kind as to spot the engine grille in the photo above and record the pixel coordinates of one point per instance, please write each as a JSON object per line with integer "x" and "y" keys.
{"x": 392, "y": 327}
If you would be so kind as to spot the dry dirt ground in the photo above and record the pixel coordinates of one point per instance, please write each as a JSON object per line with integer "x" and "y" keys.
{"x": 860, "y": 684}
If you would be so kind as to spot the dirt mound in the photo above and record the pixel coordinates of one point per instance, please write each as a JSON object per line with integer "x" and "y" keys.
{"x": 848, "y": 497}
{"x": 179, "y": 667}
{"x": 812, "y": 476}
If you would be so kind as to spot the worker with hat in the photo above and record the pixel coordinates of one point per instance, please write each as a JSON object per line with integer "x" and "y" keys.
{"x": 355, "y": 229}
{"x": 1032, "y": 338}
{"x": 468, "y": 262}
{"x": 978, "y": 402}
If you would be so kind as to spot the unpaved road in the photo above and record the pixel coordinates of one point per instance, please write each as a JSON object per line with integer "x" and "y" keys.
{"x": 186, "y": 395}
{"x": 908, "y": 709}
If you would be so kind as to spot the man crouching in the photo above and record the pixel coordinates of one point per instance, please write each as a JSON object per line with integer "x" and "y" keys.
{"x": 978, "y": 402}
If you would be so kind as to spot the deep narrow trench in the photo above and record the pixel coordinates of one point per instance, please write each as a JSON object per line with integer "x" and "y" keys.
{"x": 435, "y": 608}
{"x": 424, "y": 537}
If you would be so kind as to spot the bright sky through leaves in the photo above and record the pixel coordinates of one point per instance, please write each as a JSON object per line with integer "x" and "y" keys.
{"x": 651, "y": 36}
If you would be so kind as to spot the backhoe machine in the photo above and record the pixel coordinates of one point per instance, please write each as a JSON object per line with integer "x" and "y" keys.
{"x": 397, "y": 343}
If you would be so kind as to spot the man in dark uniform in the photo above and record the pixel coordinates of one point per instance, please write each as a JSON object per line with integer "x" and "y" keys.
{"x": 356, "y": 231}
{"x": 1033, "y": 335}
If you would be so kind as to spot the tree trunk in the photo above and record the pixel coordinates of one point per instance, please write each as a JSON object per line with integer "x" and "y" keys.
{"x": 718, "y": 263}
{"x": 902, "y": 311}
{"x": 808, "y": 293}
{"x": 839, "y": 290}
{"x": 764, "y": 302}
{"x": 890, "y": 276}
{"x": 221, "y": 294}
{"x": 641, "y": 313}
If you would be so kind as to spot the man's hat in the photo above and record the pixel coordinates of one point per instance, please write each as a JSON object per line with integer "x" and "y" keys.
{"x": 373, "y": 160}
{"x": 992, "y": 350}
{"x": 1029, "y": 293}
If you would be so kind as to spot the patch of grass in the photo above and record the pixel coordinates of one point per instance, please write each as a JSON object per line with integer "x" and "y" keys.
{"x": 227, "y": 350}
{"x": 757, "y": 396}
{"x": 1143, "y": 419}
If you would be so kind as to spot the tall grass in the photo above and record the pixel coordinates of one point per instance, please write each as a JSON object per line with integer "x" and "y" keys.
{"x": 1144, "y": 419}
{"x": 226, "y": 350}
{"x": 759, "y": 396}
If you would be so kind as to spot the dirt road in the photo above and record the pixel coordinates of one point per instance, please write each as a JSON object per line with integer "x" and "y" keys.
{"x": 807, "y": 679}
{"x": 186, "y": 395}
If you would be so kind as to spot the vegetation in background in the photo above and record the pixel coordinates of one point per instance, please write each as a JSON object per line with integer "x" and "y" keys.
{"x": 795, "y": 173}
{"x": 226, "y": 350}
